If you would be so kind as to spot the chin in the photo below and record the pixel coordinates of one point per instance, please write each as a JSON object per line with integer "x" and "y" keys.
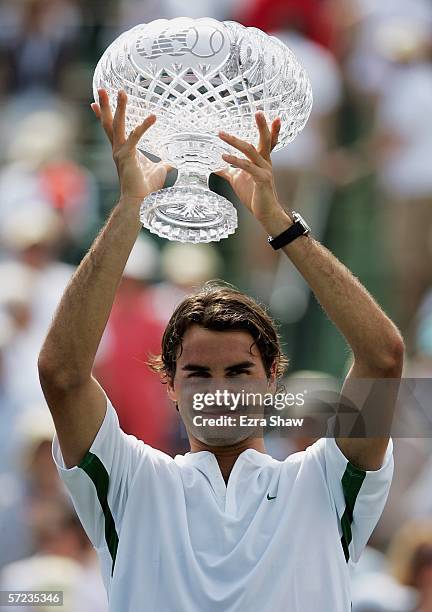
{"x": 222, "y": 438}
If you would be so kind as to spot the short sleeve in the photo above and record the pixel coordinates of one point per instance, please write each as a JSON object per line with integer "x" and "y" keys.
{"x": 100, "y": 484}
{"x": 359, "y": 495}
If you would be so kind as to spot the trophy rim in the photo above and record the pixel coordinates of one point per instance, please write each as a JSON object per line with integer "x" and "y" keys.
{"x": 237, "y": 114}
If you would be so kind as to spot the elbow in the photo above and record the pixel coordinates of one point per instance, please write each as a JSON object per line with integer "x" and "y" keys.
{"x": 48, "y": 365}
{"x": 53, "y": 374}
{"x": 45, "y": 366}
{"x": 49, "y": 374}
{"x": 392, "y": 361}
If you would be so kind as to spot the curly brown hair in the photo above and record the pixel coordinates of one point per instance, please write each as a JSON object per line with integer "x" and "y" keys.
{"x": 219, "y": 306}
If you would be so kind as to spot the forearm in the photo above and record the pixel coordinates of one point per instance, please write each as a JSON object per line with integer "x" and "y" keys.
{"x": 371, "y": 335}
{"x": 70, "y": 346}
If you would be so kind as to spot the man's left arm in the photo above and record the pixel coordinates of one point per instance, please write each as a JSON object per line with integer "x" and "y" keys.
{"x": 376, "y": 343}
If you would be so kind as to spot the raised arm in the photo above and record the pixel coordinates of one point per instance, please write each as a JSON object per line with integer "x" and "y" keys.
{"x": 65, "y": 363}
{"x": 375, "y": 341}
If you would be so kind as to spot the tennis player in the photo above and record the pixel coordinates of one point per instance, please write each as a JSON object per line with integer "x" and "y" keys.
{"x": 225, "y": 527}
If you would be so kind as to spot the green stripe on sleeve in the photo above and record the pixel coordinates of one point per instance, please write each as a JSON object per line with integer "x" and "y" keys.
{"x": 352, "y": 481}
{"x": 94, "y": 468}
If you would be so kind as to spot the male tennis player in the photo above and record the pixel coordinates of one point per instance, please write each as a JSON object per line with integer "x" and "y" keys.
{"x": 224, "y": 528}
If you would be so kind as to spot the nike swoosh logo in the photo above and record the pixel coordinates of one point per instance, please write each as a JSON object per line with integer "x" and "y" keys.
{"x": 269, "y": 497}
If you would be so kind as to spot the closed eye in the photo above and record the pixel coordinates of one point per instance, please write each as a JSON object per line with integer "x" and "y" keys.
{"x": 207, "y": 374}
{"x": 237, "y": 372}
{"x": 198, "y": 374}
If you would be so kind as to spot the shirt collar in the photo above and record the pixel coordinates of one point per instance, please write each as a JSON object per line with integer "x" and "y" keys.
{"x": 200, "y": 457}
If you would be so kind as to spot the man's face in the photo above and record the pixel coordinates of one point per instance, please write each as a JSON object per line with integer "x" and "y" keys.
{"x": 218, "y": 365}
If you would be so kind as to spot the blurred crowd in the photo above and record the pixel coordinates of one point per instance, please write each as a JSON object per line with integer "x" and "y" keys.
{"x": 361, "y": 175}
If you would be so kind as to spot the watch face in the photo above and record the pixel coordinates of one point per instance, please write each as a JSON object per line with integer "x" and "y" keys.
{"x": 299, "y": 219}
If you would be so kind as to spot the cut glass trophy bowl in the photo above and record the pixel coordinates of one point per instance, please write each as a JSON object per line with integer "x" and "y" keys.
{"x": 201, "y": 76}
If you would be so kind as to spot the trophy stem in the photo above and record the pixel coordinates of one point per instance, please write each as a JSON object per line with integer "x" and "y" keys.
{"x": 196, "y": 177}
{"x": 190, "y": 211}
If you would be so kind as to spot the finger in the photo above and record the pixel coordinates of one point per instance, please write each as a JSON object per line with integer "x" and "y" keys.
{"x": 105, "y": 113}
{"x": 137, "y": 133}
{"x": 96, "y": 109}
{"x": 275, "y": 131}
{"x": 244, "y": 147}
{"x": 264, "y": 146}
{"x": 119, "y": 121}
{"x": 243, "y": 164}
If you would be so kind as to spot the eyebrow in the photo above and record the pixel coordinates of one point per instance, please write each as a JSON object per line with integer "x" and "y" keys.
{"x": 189, "y": 367}
{"x": 242, "y": 365}
{"x": 192, "y": 367}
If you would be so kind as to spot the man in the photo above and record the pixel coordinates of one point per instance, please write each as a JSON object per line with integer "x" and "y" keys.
{"x": 224, "y": 528}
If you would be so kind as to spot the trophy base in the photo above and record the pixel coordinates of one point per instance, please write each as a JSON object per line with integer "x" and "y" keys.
{"x": 188, "y": 214}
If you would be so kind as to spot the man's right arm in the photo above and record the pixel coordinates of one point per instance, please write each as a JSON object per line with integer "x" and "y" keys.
{"x": 76, "y": 400}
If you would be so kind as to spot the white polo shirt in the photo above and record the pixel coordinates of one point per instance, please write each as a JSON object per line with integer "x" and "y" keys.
{"x": 172, "y": 537}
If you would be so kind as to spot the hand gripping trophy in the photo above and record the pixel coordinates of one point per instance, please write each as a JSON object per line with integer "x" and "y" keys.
{"x": 201, "y": 76}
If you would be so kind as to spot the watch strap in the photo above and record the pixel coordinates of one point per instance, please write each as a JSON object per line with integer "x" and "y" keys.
{"x": 294, "y": 231}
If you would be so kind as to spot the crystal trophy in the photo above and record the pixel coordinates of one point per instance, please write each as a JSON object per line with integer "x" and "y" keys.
{"x": 201, "y": 76}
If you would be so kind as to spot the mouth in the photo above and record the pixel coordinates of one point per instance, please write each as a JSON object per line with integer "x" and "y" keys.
{"x": 214, "y": 413}
{"x": 223, "y": 412}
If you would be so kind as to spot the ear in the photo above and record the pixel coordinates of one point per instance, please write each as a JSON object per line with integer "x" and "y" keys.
{"x": 272, "y": 378}
{"x": 172, "y": 394}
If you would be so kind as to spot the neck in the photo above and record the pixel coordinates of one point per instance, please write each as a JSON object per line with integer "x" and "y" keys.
{"x": 226, "y": 456}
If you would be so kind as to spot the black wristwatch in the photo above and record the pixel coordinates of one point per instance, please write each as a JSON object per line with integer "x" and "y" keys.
{"x": 298, "y": 228}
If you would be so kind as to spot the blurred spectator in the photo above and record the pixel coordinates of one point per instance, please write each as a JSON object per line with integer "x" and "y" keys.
{"x": 308, "y": 16}
{"x": 421, "y": 364}
{"x": 410, "y": 559}
{"x": 223, "y": 9}
{"x": 88, "y": 594}
{"x": 15, "y": 314}
{"x": 28, "y": 480}
{"x": 418, "y": 494}
{"x": 183, "y": 267}
{"x": 304, "y": 153}
{"x": 367, "y": 64}
{"x": 132, "y": 12}
{"x": 404, "y": 138}
{"x": 410, "y": 455}
{"x": 375, "y": 590}
{"x": 61, "y": 548}
{"x": 31, "y": 234}
{"x": 39, "y": 531}
{"x": 135, "y": 11}
{"x": 379, "y": 592}
{"x": 38, "y": 40}
{"x": 39, "y": 167}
